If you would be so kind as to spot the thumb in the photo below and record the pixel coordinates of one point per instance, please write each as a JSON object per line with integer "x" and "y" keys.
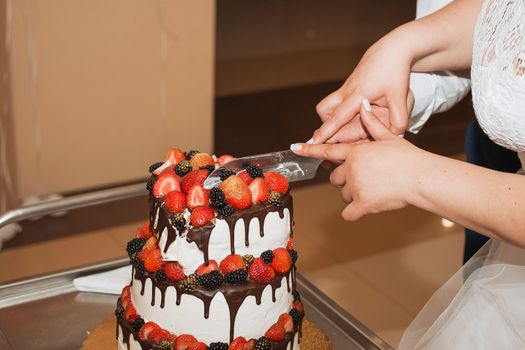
{"x": 397, "y": 105}
{"x": 374, "y": 126}
{"x": 353, "y": 211}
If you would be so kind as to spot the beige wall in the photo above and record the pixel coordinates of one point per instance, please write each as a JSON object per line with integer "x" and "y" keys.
{"x": 94, "y": 93}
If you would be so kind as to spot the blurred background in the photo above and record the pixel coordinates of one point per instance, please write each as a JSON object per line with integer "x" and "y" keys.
{"x": 92, "y": 92}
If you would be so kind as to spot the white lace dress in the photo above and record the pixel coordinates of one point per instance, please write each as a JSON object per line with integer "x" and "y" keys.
{"x": 483, "y": 305}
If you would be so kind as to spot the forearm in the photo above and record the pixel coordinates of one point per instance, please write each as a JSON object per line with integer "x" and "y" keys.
{"x": 487, "y": 201}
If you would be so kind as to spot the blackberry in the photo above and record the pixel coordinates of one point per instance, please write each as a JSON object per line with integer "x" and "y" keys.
{"x": 183, "y": 167}
{"x": 189, "y": 282}
{"x": 254, "y": 171}
{"x": 160, "y": 275}
{"x": 191, "y": 154}
{"x": 296, "y": 315}
{"x": 134, "y": 258}
{"x": 293, "y": 255}
{"x": 275, "y": 199}
{"x": 163, "y": 345}
{"x": 139, "y": 267}
{"x": 226, "y": 173}
{"x": 154, "y": 166}
{"x": 218, "y": 346}
{"x": 217, "y": 198}
{"x": 263, "y": 343}
{"x": 210, "y": 168}
{"x": 119, "y": 311}
{"x": 179, "y": 221}
{"x": 211, "y": 280}
{"x": 137, "y": 324}
{"x": 236, "y": 277}
{"x": 150, "y": 184}
{"x": 135, "y": 246}
{"x": 267, "y": 256}
{"x": 296, "y": 295}
{"x": 226, "y": 211}
{"x": 248, "y": 259}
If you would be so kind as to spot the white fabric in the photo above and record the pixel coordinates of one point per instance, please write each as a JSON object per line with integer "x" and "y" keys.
{"x": 109, "y": 282}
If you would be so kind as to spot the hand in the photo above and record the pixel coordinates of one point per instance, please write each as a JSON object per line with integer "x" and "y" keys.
{"x": 373, "y": 176}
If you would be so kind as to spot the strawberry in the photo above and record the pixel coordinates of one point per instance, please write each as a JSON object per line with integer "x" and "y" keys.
{"x": 245, "y": 177}
{"x": 201, "y": 216}
{"x": 297, "y": 305}
{"x": 184, "y": 341}
{"x": 151, "y": 244}
{"x": 153, "y": 261}
{"x": 237, "y": 193}
{"x": 130, "y": 314}
{"x": 197, "y": 346}
{"x": 225, "y": 158}
{"x": 204, "y": 269}
{"x": 166, "y": 165}
{"x": 175, "y": 155}
{"x": 165, "y": 183}
{"x": 282, "y": 261}
{"x": 232, "y": 263}
{"x": 174, "y": 271}
{"x": 125, "y": 298}
{"x": 175, "y": 201}
{"x": 289, "y": 245}
{"x": 144, "y": 231}
{"x": 276, "y": 332}
{"x": 276, "y": 182}
{"x": 286, "y": 321}
{"x": 158, "y": 334}
{"x": 260, "y": 191}
{"x": 197, "y": 196}
{"x": 250, "y": 345}
{"x": 201, "y": 160}
{"x": 147, "y": 329}
{"x": 260, "y": 272}
{"x": 126, "y": 292}
{"x": 195, "y": 177}
{"x": 237, "y": 344}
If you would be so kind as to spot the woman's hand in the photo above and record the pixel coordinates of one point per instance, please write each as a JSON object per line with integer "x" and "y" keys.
{"x": 373, "y": 176}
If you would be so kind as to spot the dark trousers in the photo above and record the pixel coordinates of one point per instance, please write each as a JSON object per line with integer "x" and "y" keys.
{"x": 483, "y": 152}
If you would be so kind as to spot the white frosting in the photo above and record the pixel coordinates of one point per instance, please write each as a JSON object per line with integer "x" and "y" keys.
{"x": 276, "y": 233}
{"x": 188, "y": 317}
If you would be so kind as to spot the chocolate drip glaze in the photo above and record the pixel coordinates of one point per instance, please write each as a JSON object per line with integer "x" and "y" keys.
{"x": 201, "y": 237}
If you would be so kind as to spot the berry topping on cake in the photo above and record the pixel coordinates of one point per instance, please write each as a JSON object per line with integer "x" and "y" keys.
{"x": 208, "y": 168}
{"x": 250, "y": 344}
{"x": 183, "y": 168}
{"x": 293, "y": 255}
{"x": 165, "y": 183}
{"x": 189, "y": 282}
{"x": 218, "y": 346}
{"x": 147, "y": 329}
{"x": 135, "y": 246}
{"x": 184, "y": 341}
{"x": 282, "y": 262}
{"x": 137, "y": 324}
{"x": 276, "y": 332}
{"x": 155, "y": 166}
{"x": 298, "y": 305}
{"x": 277, "y": 182}
{"x": 225, "y": 173}
{"x": 194, "y": 178}
{"x": 200, "y": 160}
{"x": 175, "y": 201}
{"x": 245, "y": 177}
{"x": 260, "y": 191}
{"x": 260, "y": 272}
{"x": 289, "y": 245}
{"x": 237, "y": 193}
{"x": 226, "y": 211}
{"x": 204, "y": 269}
{"x": 232, "y": 263}
{"x": 150, "y": 245}
{"x": 275, "y": 199}
{"x": 175, "y": 155}
{"x": 191, "y": 153}
{"x": 296, "y": 295}
{"x": 144, "y": 231}
{"x": 153, "y": 261}
{"x": 130, "y": 314}
{"x": 296, "y": 315}
{"x": 254, "y": 171}
{"x": 140, "y": 268}
{"x": 236, "y": 277}
{"x": 179, "y": 221}
{"x": 150, "y": 184}
{"x": 263, "y": 343}
{"x": 197, "y": 197}
{"x": 225, "y": 158}
{"x": 267, "y": 256}
{"x": 164, "y": 345}
{"x": 211, "y": 280}
{"x": 217, "y": 198}
{"x": 201, "y": 216}
{"x": 157, "y": 335}
{"x": 237, "y": 344}
{"x": 286, "y": 321}
{"x": 197, "y": 346}
{"x": 248, "y": 259}
{"x": 174, "y": 271}
{"x": 119, "y": 311}
{"x": 160, "y": 276}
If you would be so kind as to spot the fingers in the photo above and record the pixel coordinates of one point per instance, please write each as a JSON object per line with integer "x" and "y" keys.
{"x": 335, "y": 153}
{"x": 372, "y": 124}
{"x": 326, "y": 107}
{"x": 337, "y": 177}
{"x": 397, "y": 105}
{"x": 353, "y": 211}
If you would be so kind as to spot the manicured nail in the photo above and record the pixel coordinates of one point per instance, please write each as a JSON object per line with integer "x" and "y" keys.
{"x": 367, "y": 106}
{"x": 310, "y": 141}
{"x": 296, "y": 147}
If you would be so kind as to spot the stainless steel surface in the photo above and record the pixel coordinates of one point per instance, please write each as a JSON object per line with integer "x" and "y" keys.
{"x": 73, "y": 202}
{"x": 47, "y": 313}
{"x": 287, "y": 163}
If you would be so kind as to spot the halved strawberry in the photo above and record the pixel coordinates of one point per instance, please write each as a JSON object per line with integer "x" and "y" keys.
{"x": 232, "y": 263}
{"x": 166, "y": 165}
{"x": 157, "y": 335}
{"x": 237, "y": 344}
{"x": 175, "y": 155}
{"x": 282, "y": 261}
{"x": 201, "y": 160}
{"x": 150, "y": 244}
{"x": 260, "y": 191}
{"x": 193, "y": 178}
{"x": 276, "y": 182}
{"x": 225, "y": 158}
{"x": 237, "y": 193}
{"x": 126, "y": 292}
{"x": 175, "y": 201}
{"x": 250, "y": 345}
{"x": 130, "y": 314}
{"x": 286, "y": 321}
{"x": 174, "y": 271}
{"x": 201, "y": 216}
{"x": 298, "y": 305}
{"x": 144, "y": 231}
{"x": 197, "y": 196}
{"x": 245, "y": 177}
{"x": 204, "y": 269}
{"x": 153, "y": 261}
{"x": 184, "y": 341}
{"x": 260, "y": 272}
{"x": 289, "y": 245}
{"x": 197, "y": 346}
{"x": 147, "y": 329}
{"x": 165, "y": 183}
{"x": 276, "y": 332}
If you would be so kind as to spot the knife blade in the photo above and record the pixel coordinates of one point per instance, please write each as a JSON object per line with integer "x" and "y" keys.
{"x": 293, "y": 167}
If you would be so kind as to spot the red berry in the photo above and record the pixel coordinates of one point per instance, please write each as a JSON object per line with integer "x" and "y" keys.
{"x": 245, "y": 177}
{"x": 157, "y": 335}
{"x": 224, "y": 159}
{"x": 195, "y": 177}
{"x": 237, "y": 344}
{"x": 174, "y": 271}
{"x": 201, "y": 216}
{"x": 201, "y": 159}
{"x": 126, "y": 292}
{"x": 165, "y": 183}
{"x": 204, "y": 269}
{"x": 150, "y": 244}
{"x": 298, "y": 305}
{"x": 260, "y": 191}
{"x": 166, "y": 165}
{"x": 276, "y": 182}
{"x": 260, "y": 272}
{"x": 237, "y": 193}
{"x": 289, "y": 245}
{"x": 232, "y": 263}
{"x": 197, "y": 346}
{"x": 175, "y": 155}
{"x": 147, "y": 329}
{"x": 153, "y": 261}
{"x": 175, "y": 201}
{"x": 197, "y": 196}
{"x": 276, "y": 332}
{"x": 144, "y": 231}
{"x": 184, "y": 341}
{"x": 130, "y": 314}
{"x": 287, "y": 322}
{"x": 250, "y": 345}
{"x": 282, "y": 261}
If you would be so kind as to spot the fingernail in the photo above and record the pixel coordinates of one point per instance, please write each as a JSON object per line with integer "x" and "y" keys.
{"x": 296, "y": 147}
{"x": 310, "y": 141}
{"x": 367, "y": 106}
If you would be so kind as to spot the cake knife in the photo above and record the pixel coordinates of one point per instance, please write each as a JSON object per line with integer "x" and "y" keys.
{"x": 293, "y": 167}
